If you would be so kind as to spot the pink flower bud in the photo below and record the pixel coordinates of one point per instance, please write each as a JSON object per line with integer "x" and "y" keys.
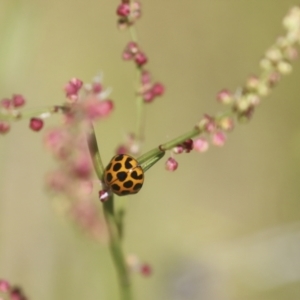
{"x": 188, "y": 145}
{"x": 225, "y": 97}
{"x": 148, "y": 97}
{"x": 208, "y": 124}
{"x": 103, "y": 195}
{"x": 178, "y": 149}
{"x": 16, "y": 294}
{"x": 36, "y": 124}
{"x": 18, "y": 100}
{"x": 72, "y": 88}
{"x": 226, "y": 124}
{"x": 82, "y": 167}
{"x": 96, "y": 109}
{"x": 4, "y": 286}
{"x": 5, "y": 103}
{"x": 219, "y": 138}
{"x": 252, "y": 82}
{"x": 140, "y": 59}
{"x": 4, "y": 127}
{"x": 158, "y": 89}
{"x": 171, "y": 164}
{"x": 146, "y": 77}
{"x": 97, "y": 87}
{"x": 123, "y": 10}
{"x": 146, "y": 270}
{"x": 201, "y": 145}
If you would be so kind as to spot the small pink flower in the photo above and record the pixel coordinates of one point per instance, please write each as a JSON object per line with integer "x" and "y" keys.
{"x": 17, "y": 294}
{"x": 186, "y": 146}
{"x": 55, "y": 139}
{"x": 171, "y": 164}
{"x": 5, "y": 103}
{"x": 158, "y": 89}
{"x": 130, "y": 51}
{"x": 208, "y": 123}
{"x": 4, "y": 127}
{"x": 140, "y": 59}
{"x": 148, "y": 96}
{"x": 36, "y": 124}
{"x": 201, "y": 145}
{"x": 146, "y": 270}
{"x": 145, "y": 77}
{"x": 95, "y": 108}
{"x": 104, "y": 195}
{"x": 225, "y": 96}
{"x": 57, "y": 181}
{"x": 226, "y": 124}
{"x": 4, "y": 286}
{"x": 82, "y": 167}
{"x": 219, "y": 138}
{"x": 136, "y": 10}
{"x": 72, "y": 88}
{"x": 123, "y": 10}
{"x": 252, "y": 82}
{"x": 97, "y": 87}
{"x": 18, "y": 100}
{"x": 178, "y": 149}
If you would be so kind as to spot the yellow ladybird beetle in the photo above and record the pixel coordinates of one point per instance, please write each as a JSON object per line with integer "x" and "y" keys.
{"x": 124, "y": 174}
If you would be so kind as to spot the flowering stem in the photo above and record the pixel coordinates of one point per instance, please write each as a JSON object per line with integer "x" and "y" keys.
{"x": 30, "y": 113}
{"x": 95, "y": 154}
{"x": 116, "y": 250}
{"x": 139, "y": 131}
{"x": 133, "y": 33}
{"x": 114, "y": 229}
{"x": 169, "y": 145}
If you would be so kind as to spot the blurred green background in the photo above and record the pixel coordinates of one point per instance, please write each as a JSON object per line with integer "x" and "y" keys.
{"x": 225, "y": 225}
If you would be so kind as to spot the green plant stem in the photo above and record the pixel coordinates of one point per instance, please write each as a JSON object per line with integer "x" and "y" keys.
{"x": 31, "y": 113}
{"x": 95, "y": 154}
{"x": 114, "y": 229}
{"x": 169, "y": 145}
{"x": 116, "y": 250}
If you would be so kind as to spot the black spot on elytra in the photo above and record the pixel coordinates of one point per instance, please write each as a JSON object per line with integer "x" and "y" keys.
{"x": 115, "y": 187}
{"x": 121, "y": 176}
{"x": 128, "y": 184}
{"x": 138, "y": 186}
{"x": 117, "y": 167}
{"x": 135, "y": 175}
{"x": 109, "y": 177}
{"x": 119, "y": 157}
{"x": 128, "y": 164}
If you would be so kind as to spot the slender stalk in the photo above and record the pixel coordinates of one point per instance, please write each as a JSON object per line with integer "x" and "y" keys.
{"x": 113, "y": 227}
{"x": 169, "y": 145}
{"x": 16, "y": 115}
{"x": 95, "y": 154}
{"x": 116, "y": 250}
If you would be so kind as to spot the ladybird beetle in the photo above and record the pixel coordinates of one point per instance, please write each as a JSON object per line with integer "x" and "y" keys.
{"x": 124, "y": 175}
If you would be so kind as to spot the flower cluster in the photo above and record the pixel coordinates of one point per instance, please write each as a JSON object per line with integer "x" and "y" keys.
{"x": 213, "y": 131}
{"x": 275, "y": 63}
{"x": 128, "y": 12}
{"x": 11, "y": 292}
{"x": 9, "y": 109}
{"x": 73, "y": 177}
